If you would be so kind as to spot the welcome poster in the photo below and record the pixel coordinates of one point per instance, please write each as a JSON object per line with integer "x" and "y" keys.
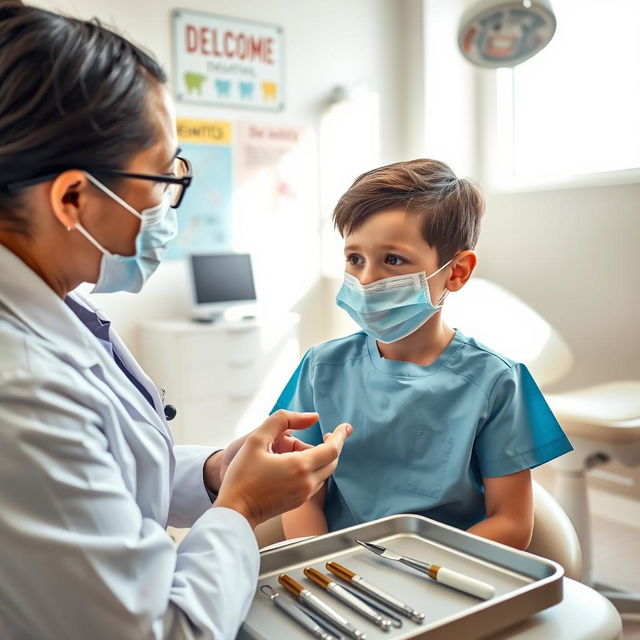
{"x": 225, "y": 61}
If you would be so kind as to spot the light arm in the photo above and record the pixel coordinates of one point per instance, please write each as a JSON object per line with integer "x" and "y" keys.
{"x": 509, "y": 505}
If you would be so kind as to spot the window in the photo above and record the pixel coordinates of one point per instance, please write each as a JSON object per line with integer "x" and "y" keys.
{"x": 575, "y": 107}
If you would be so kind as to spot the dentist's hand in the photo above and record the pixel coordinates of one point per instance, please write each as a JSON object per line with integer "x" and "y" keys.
{"x": 271, "y": 474}
{"x": 284, "y": 443}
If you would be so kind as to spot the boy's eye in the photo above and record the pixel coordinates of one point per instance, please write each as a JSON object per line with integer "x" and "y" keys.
{"x": 394, "y": 260}
{"x": 354, "y": 258}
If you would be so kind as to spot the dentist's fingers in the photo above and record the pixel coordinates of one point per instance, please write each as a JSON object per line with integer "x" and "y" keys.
{"x": 280, "y": 422}
{"x": 261, "y": 482}
{"x": 289, "y": 444}
{"x": 325, "y": 456}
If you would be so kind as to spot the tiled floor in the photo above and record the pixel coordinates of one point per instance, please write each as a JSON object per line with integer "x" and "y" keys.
{"x": 616, "y": 551}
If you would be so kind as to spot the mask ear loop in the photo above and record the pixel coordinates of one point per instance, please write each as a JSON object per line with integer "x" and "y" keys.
{"x": 446, "y": 291}
{"x": 446, "y": 264}
{"x": 91, "y": 239}
{"x": 442, "y": 299}
{"x": 113, "y": 195}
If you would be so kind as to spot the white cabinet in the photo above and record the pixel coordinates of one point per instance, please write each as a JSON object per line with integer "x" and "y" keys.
{"x": 223, "y": 378}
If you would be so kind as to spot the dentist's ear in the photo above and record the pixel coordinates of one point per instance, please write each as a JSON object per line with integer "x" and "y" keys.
{"x": 462, "y": 268}
{"x": 67, "y": 195}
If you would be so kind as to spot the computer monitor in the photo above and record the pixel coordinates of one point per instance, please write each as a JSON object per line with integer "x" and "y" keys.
{"x": 220, "y": 281}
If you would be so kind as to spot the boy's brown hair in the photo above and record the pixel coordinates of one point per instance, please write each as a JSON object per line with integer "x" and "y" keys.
{"x": 451, "y": 207}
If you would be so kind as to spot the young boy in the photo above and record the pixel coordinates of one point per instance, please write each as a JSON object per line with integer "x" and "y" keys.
{"x": 443, "y": 426}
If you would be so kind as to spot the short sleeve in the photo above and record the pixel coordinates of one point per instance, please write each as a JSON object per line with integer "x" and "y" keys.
{"x": 297, "y": 395}
{"x": 520, "y": 431}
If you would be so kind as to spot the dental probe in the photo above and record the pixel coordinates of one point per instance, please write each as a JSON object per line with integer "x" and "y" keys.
{"x": 443, "y": 575}
{"x": 313, "y": 602}
{"x": 349, "y": 599}
{"x": 375, "y": 592}
{"x": 297, "y": 614}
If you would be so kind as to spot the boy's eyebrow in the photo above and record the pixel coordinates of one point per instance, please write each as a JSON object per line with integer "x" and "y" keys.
{"x": 386, "y": 247}
{"x": 395, "y": 246}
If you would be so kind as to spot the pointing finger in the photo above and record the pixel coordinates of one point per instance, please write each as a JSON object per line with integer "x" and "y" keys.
{"x": 281, "y": 421}
{"x": 329, "y": 451}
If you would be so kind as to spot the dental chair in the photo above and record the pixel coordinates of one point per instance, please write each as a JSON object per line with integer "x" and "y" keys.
{"x": 553, "y": 534}
{"x": 602, "y": 421}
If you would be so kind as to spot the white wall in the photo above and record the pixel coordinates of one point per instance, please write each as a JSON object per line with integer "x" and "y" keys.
{"x": 568, "y": 251}
{"x": 572, "y": 254}
{"x": 328, "y": 43}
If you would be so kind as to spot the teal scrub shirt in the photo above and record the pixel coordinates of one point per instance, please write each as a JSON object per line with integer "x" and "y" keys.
{"x": 424, "y": 436}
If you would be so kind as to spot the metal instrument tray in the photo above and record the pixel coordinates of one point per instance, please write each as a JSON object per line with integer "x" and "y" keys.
{"x": 524, "y": 583}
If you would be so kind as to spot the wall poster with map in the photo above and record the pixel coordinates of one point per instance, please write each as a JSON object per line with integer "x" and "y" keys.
{"x": 204, "y": 217}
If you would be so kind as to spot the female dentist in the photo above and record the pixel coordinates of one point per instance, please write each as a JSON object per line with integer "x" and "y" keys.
{"x": 89, "y": 475}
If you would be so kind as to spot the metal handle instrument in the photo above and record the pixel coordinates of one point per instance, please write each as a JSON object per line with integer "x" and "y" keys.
{"x": 349, "y": 599}
{"x": 313, "y": 602}
{"x": 295, "y": 613}
{"x": 375, "y": 592}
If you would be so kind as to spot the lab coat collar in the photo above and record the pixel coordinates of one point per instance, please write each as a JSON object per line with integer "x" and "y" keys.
{"x": 33, "y": 302}
{"x": 157, "y": 410}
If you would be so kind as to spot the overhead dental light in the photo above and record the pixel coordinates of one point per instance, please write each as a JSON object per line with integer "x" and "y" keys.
{"x": 504, "y": 33}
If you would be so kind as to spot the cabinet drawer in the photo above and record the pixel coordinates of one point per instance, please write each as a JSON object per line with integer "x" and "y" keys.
{"x": 236, "y": 347}
{"x": 225, "y": 379}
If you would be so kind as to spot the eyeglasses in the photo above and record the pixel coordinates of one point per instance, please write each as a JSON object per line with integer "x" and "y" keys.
{"x": 177, "y": 182}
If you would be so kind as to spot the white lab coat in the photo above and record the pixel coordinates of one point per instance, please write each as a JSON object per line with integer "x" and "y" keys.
{"x": 89, "y": 480}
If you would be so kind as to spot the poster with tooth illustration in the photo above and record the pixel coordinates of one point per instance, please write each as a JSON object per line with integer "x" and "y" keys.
{"x": 228, "y": 62}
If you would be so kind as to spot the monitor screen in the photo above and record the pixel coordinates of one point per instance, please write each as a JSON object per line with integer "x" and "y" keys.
{"x": 220, "y": 278}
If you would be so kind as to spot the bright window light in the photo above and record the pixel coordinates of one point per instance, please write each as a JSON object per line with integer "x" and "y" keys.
{"x": 574, "y": 108}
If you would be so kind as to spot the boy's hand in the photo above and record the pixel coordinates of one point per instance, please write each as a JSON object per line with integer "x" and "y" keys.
{"x": 271, "y": 472}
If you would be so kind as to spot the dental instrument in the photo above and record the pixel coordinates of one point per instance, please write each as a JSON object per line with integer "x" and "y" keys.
{"x": 316, "y": 604}
{"x": 443, "y": 575}
{"x": 348, "y": 598}
{"x": 370, "y": 589}
{"x": 295, "y": 613}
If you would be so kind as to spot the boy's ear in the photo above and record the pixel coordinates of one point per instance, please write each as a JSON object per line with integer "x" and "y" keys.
{"x": 463, "y": 265}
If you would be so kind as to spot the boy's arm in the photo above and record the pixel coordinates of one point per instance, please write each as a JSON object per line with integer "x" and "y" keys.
{"x": 308, "y": 519}
{"x": 509, "y": 505}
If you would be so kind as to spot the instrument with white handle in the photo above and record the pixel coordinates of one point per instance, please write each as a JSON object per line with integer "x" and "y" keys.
{"x": 461, "y": 582}
{"x": 443, "y": 575}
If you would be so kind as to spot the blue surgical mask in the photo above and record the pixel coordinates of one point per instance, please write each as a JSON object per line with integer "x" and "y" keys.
{"x": 390, "y": 309}
{"x": 158, "y": 226}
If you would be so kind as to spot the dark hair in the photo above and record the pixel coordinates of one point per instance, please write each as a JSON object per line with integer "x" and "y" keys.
{"x": 74, "y": 95}
{"x": 451, "y": 207}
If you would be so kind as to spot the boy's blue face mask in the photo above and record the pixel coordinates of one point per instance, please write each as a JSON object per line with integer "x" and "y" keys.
{"x": 158, "y": 226}
{"x": 390, "y": 309}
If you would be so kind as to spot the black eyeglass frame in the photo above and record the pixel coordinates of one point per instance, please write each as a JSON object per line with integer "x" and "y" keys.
{"x": 184, "y": 181}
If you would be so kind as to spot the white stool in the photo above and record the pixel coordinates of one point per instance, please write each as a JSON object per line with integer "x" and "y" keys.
{"x": 602, "y": 422}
